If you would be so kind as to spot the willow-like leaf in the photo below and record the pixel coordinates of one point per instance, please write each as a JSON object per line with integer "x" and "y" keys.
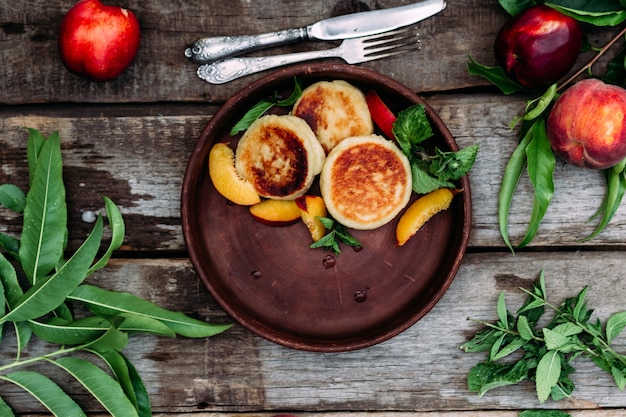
{"x": 118, "y": 230}
{"x": 5, "y": 410}
{"x": 512, "y": 175}
{"x": 52, "y": 291}
{"x": 10, "y": 245}
{"x": 615, "y": 178}
{"x": 44, "y": 233}
{"x": 77, "y": 332}
{"x": 540, "y": 164}
{"x": 100, "y": 385}
{"x": 34, "y": 145}
{"x": 129, "y": 380}
{"x": 12, "y": 197}
{"x": 133, "y": 323}
{"x": 23, "y": 334}
{"x": 111, "y": 303}
{"x": 48, "y": 393}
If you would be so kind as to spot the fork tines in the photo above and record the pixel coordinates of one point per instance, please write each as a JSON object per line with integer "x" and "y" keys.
{"x": 395, "y": 42}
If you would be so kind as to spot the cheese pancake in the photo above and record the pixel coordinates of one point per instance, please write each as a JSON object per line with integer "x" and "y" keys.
{"x": 280, "y": 156}
{"x": 365, "y": 182}
{"x": 335, "y": 110}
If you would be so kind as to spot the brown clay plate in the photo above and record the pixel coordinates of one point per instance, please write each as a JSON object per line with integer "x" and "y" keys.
{"x": 271, "y": 282}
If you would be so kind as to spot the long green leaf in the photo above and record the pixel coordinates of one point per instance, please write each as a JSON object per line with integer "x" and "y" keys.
{"x": 133, "y": 323}
{"x": 118, "y": 230}
{"x": 77, "y": 332}
{"x": 100, "y": 385}
{"x": 10, "y": 244}
{"x": 512, "y": 175}
{"x": 615, "y": 178}
{"x": 5, "y": 410}
{"x": 129, "y": 380}
{"x": 12, "y": 197}
{"x": 23, "y": 334}
{"x": 51, "y": 292}
{"x": 33, "y": 148}
{"x": 111, "y": 303}
{"x": 541, "y": 162}
{"x": 44, "y": 234}
{"x": 46, "y": 392}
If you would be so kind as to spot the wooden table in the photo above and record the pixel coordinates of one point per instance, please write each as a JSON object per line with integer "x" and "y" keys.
{"x": 130, "y": 139}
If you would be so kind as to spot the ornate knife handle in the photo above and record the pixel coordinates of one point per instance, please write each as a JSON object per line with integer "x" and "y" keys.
{"x": 221, "y": 72}
{"x": 211, "y": 49}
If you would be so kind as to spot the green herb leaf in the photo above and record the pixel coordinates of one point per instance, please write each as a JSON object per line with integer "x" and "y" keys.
{"x": 111, "y": 303}
{"x": 74, "y": 333}
{"x": 263, "y": 106}
{"x": 46, "y": 392}
{"x": 44, "y": 234}
{"x": 335, "y": 234}
{"x": 34, "y": 145}
{"x": 411, "y": 128}
{"x": 548, "y": 373}
{"x": 100, "y": 385}
{"x": 614, "y": 326}
{"x": 487, "y": 376}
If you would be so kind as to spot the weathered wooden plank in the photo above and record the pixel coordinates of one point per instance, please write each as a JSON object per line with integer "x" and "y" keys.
{"x": 422, "y": 369}
{"x": 145, "y": 177}
{"x": 32, "y": 72}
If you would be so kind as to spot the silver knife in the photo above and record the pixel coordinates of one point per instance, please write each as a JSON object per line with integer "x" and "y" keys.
{"x": 348, "y": 26}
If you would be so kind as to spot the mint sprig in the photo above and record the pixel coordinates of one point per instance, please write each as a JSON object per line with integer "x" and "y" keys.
{"x": 544, "y": 355}
{"x": 336, "y": 234}
{"x": 429, "y": 171}
{"x": 42, "y": 306}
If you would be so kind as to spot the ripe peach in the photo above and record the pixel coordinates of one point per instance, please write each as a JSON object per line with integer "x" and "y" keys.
{"x": 276, "y": 212}
{"x": 225, "y": 178}
{"x": 587, "y": 125}
{"x": 422, "y": 210}
{"x": 311, "y": 207}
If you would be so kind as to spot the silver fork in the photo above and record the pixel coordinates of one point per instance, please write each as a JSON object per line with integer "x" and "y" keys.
{"x": 353, "y": 51}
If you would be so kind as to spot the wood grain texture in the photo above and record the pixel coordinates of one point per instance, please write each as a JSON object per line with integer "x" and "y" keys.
{"x": 130, "y": 139}
{"x": 32, "y": 71}
{"x": 422, "y": 369}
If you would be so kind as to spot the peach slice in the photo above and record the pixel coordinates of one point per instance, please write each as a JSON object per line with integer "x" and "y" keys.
{"x": 311, "y": 207}
{"x": 422, "y": 210}
{"x": 225, "y": 178}
{"x": 276, "y": 212}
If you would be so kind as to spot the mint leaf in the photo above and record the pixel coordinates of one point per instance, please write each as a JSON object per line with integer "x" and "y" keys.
{"x": 263, "y": 106}
{"x": 336, "y": 234}
{"x": 411, "y": 128}
{"x": 453, "y": 165}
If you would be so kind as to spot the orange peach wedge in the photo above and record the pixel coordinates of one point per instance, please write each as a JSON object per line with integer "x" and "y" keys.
{"x": 276, "y": 212}
{"x": 422, "y": 210}
{"x": 311, "y": 207}
{"x": 225, "y": 178}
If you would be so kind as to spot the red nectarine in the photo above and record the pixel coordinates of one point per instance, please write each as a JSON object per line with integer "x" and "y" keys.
{"x": 538, "y": 46}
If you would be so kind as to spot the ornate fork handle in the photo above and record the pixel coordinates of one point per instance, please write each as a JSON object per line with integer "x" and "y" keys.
{"x": 230, "y": 69}
{"x": 211, "y": 49}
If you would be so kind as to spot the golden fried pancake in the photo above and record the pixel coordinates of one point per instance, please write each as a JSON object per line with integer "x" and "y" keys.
{"x": 365, "y": 182}
{"x": 335, "y": 110}
{"x": 280, "y": 156}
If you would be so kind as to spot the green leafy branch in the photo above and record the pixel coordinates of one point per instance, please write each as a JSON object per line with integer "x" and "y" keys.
{"x": 533, "y": 153}
{"x": 43, "y": 306}
{"x": 544, "y": 355}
